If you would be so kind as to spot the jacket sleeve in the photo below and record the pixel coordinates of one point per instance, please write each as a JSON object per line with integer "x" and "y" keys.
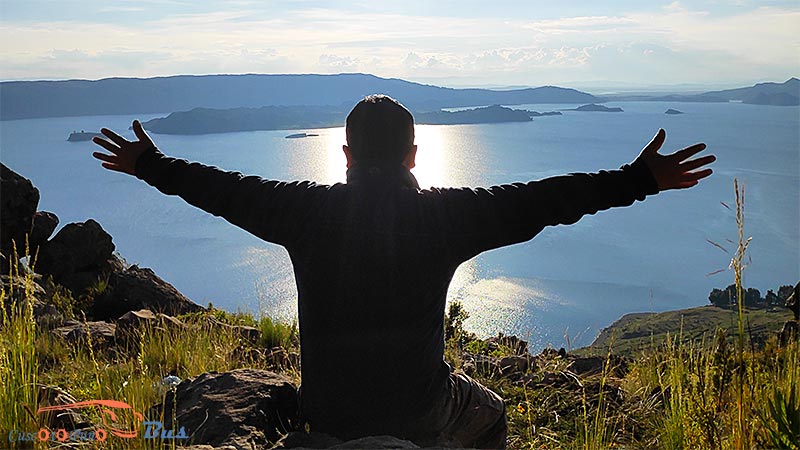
{"x": 485, "y": 218}
{"x": 271, "y": 210}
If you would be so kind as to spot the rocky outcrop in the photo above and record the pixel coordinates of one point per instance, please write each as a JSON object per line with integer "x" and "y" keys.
{"x": 250, "y": 334}
{"x": 245, "y": 408}
{"x": 18, "y": 203}
{"x": 78, "y": 255}
{"x": 44, "y": 223}
{"x": 130, "y": 325}
{"x": 135, "y": 288}
{"x": 74, "y": 332}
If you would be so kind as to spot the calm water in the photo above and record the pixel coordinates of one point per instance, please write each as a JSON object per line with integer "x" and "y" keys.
{"x": 569, "y": 281}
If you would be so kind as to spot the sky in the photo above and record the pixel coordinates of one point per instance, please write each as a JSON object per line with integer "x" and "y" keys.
{"x": 631, "y": 44}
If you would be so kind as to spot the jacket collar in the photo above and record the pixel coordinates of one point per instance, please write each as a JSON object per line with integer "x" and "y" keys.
{"x": 378, "y": 172}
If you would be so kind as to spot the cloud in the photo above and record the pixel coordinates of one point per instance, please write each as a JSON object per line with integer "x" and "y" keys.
{"x": 337, "y": 64}
{"x": 756, "y": 43}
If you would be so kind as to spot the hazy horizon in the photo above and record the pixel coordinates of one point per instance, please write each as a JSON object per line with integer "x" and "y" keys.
{"x": 629, "y": 45}
{"x": 596, "y": 87}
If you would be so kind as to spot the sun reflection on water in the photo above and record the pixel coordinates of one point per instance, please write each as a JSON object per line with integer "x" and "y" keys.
{"x": 446, "y": 156}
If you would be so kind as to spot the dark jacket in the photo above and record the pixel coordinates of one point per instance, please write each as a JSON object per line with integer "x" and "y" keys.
{"x": 373, "y": 259}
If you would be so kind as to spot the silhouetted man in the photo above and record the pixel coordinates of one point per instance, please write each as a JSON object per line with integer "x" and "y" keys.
{"x": 373, "y": 258}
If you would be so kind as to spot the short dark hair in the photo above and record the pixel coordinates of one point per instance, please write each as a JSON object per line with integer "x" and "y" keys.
{"x": 380, "y": 129}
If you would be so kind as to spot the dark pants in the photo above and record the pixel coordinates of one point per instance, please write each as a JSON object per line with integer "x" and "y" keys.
{"x": 471, "y": 416}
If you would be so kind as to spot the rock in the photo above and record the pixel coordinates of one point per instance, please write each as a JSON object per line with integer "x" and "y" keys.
{"x": 78, "y": 255}
{"x": 617, "y": 365}
{"x": 477, "y": 364}
{"x": 514, "y": 365}
{"x": 379, "y": 442}
{"x": 67, "y": 419}
{"x": 244, "y": 408}
{"x": 301, "y": 439}
{"x": 138, "y": 288}
{"x": 250, "y": 334}
{"x": 129, "y": 325}
{"x": 18, "y": 203}
{"x": 75, "y": 332}
{"x": 673, "y": 111}
{"x": 44, "y": 223}
{"x": 587, "y": 365}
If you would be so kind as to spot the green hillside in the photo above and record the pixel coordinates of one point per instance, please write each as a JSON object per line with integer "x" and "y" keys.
{"x": 641, "y": 331}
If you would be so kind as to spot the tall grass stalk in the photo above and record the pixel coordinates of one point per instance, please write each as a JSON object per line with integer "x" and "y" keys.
{"x": 19, "y": 366}
{"x": 741, "y": 432}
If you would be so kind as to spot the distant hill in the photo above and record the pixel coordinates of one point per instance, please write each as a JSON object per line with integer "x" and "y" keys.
{"x": 33, "y": 99}
{"x": 779, "y": 94}
{"x": 635, "y": 332}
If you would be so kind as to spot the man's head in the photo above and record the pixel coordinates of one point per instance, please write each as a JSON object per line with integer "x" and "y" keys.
{"x": 380, "y": 130}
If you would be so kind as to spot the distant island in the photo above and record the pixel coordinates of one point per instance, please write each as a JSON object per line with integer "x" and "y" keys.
{"x": 300, "y": 135}
{"x": 673, "y": 111}
{"x": 79, "y": 136}
{"x": 208, "y": 121}
{"x": 593, "y": 107}
{"x": 542, "y": 114}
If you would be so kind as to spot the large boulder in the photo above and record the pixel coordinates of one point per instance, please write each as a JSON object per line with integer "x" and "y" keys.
{"x": 136, "y": 288}
{"x": 244, "y": 408}
{"x": 78, "y": 256}
{"x": 18, "y": 203}
{"x": 44, "y": 223}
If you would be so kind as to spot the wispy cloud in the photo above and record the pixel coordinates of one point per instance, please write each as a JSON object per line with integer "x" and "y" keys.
{"x": 672, "y": 43}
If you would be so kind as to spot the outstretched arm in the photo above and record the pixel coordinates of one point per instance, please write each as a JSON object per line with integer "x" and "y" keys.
{"x": 268, "y": 209}
{"x": 482, "y": 219}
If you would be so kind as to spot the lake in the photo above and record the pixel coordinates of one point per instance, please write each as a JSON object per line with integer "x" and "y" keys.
{"x": 558, "y": 289}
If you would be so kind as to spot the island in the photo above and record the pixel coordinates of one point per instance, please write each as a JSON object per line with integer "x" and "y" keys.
{"x": 673, "y": 111}
{"x": 546, "y": 113}
{"x": 79, "y": 136}
{"x": 593, "y": 107}
{"x": 300, "y": 135}
{"x": 209, "y": 120}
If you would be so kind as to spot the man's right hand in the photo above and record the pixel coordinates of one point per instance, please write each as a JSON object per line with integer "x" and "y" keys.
{"x": 124, "y": 153}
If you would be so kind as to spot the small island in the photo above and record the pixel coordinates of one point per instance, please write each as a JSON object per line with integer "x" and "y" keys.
{"x": 593, "y": 107}
{"x": 546, "y": 113}
{"x": 673, "y": 111}
{"x": 79, "y": 136}
{"x": 300, "y": 135}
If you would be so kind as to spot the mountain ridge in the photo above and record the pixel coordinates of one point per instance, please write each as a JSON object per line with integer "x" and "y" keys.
{"x": 39, "y": 99}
